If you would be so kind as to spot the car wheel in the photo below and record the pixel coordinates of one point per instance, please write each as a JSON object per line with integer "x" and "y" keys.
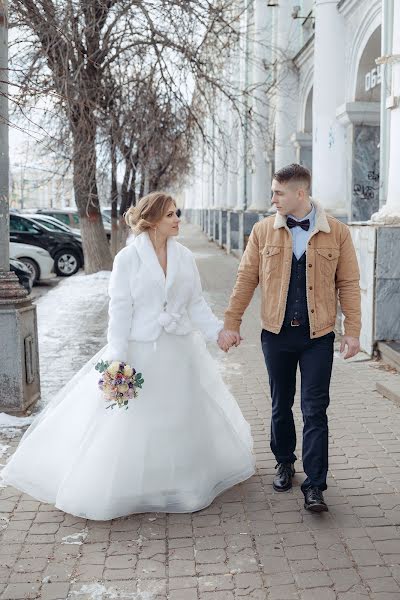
{"x": 33, "y": 268}
{"x": 66, "y": 263}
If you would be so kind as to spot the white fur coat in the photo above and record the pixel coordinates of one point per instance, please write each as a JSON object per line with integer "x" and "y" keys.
{"x": 143, "y": 302}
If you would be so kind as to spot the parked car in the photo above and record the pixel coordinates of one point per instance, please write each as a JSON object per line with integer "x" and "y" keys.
{"x": 70, "y": 217}
{"x": 54, "y": 224}
{"x": 24, "y": 275}
{"x": 36, "y": 259}
{"x": 65, "y": 250}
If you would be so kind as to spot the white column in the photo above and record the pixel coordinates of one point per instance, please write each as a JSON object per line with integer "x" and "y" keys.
{"x": 210, "y": 170}
{"x": 232, "y": 174}
{"x": 260, "y": 180}
{"x": 286, "y": 102}
{"x": 220, "y": 153}
{"x": 242, "y": 149}
{"x": 390, "y": 213}
{"x": 224, "y": 158}
{"x": 329, "y": 156}
{"x": 193, "y": 189}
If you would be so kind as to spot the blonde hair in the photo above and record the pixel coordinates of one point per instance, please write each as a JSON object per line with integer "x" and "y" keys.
{"x": 148, "y": 212}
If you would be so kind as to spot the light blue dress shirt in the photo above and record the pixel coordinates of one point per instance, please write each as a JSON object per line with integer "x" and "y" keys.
{"x": 299, "y": 236}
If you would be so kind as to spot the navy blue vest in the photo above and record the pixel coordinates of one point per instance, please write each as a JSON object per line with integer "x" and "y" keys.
{"x": 296, "y": 305}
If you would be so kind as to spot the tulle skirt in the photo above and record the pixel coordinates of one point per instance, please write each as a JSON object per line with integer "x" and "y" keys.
{"x": 182, "y": 442}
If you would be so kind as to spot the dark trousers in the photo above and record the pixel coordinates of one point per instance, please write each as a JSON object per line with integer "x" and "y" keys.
{"x": 283, "y": 352}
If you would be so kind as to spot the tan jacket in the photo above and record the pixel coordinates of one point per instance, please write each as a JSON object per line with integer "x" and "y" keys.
{"x": 332, "y": 272}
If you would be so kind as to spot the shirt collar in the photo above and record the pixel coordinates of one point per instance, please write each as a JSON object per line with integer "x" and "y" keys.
{"x": 310, "y": 216}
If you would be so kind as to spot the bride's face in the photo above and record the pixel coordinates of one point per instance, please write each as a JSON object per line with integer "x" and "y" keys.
{"x": 169, "y": 224}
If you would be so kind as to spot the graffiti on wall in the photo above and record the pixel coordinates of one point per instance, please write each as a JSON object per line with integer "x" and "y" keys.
{"x": 365, "y": 170}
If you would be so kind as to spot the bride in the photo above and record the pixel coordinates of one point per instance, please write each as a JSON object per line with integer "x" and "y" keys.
{"x": 183, "y": 440}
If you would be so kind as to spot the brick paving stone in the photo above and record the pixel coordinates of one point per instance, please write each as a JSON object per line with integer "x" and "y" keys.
{"x": 251, "y": 542}
{"x": 322, "y": 593}
{"x": 214, "y": 583}
{"x": 54, "y": 591}
{"x": 225, "y": 595}
{"x": 315, "y": 579}
{"x": 21, "y": 591}
{"x": 189, "y": 594}
{"x": 384, "y": 584}
{"x": 283, "y": 592}
{"x": 344, "y": 579}
{"x": 182, "y": 583}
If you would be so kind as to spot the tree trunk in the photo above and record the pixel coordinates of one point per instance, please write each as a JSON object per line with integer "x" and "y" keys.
{"x": 114, "y": 201}
{"x": 96, "y": 249}
{"x": 142, "y": 183}
{"x": 132, "y": 190}
{"x": 123, "y": 229}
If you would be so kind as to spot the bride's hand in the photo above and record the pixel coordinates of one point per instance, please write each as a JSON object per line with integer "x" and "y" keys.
{"x": 227, "y": 339}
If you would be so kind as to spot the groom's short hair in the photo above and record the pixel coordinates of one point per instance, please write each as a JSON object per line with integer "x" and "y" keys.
{"x": 294, "y": 172}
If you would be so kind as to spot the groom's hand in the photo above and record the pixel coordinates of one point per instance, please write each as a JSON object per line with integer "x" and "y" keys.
{"x": 353, "y": 346}
{"x": 228, "y": 338}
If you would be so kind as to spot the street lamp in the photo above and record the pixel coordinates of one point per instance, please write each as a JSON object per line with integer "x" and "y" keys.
{"x": 19, "y": 355}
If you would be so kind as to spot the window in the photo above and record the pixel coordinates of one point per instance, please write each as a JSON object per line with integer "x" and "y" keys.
{"x": 52, "y": 226}
{"x": 64, "y": 218}
{"x": 22, "y": 225}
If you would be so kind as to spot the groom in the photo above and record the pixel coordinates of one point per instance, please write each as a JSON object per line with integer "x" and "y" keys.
{"x": 304, "y": 260}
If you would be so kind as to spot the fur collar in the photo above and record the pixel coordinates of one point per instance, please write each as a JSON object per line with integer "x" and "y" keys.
{"x": 147, "y": 254}
{"x": 321, "y": 221}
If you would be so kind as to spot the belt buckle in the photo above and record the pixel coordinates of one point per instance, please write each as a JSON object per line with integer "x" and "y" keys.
{"x": 294, "y": 323}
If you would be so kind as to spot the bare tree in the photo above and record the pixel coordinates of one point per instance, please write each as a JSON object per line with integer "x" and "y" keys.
{"x": 88, "y": 56}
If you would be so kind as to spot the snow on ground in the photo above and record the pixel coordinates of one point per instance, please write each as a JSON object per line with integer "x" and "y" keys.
{"x": 98, "y": 591}
{"x": 11, "y": 421}
{"x": 10, "y": 428}
{"x": 76, "y": 538}
{"x": 72, "y": 322}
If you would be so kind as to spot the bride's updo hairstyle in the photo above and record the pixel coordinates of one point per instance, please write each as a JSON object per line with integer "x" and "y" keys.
{"x": 148, "y": 212}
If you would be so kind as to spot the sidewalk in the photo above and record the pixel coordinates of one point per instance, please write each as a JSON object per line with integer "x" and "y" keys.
{"x": 252, "y": 542}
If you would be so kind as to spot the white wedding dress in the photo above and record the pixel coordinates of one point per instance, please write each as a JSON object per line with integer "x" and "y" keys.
{"x": 180, "y": 443}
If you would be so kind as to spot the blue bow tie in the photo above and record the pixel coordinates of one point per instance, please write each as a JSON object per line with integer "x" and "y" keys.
{"x": 293, "y": 223}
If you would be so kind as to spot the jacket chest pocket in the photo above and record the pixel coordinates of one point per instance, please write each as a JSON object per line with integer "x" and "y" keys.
{"x": 270, "y": 258}
{"x": 328, "y": 260}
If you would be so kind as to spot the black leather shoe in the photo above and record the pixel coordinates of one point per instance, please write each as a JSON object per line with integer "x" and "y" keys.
{"x": 283, "y": 479}
{"x": 314, "y": 500}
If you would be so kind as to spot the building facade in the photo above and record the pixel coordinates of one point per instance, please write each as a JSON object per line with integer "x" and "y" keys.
{"x": 40, "y": 187}
{"x": 321, "y": 86}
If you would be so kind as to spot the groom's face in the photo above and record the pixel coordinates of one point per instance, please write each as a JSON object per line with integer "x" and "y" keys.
{"x": 286, "y": 197}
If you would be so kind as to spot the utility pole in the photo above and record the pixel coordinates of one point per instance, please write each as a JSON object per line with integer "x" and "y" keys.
{"x": 19, "y": 355}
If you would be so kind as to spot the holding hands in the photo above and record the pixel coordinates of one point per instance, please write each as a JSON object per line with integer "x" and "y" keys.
{"x": 228, "y": 338}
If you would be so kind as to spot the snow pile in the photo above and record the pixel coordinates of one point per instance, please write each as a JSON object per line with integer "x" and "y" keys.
{"x": 72, "y": 322}
{"x": 76, "y": 538}
{"x": 10, "y": 428}
{"x": 3, "y": 450}
{"x": 11, "y": 421}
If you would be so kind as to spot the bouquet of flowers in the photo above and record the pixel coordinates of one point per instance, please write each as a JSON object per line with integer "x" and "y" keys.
{"x": 119, "y": 382}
